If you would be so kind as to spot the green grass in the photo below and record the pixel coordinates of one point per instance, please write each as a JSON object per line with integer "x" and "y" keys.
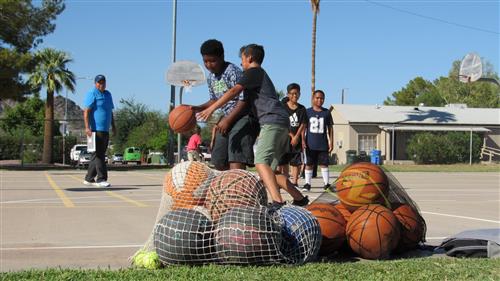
{"x": 409, "y": 269}
{"x": 428, "y": 168}
{"x": 432, "y": 168}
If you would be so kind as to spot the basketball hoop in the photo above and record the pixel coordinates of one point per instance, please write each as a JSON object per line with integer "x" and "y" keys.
{"x": 471, "y": 68}
{"x": 185, "y": 74}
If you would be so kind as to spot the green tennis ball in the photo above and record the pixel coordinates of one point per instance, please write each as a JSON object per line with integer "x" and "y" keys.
{"x": 139, "y": 259}
{"x": 151, "y": 260}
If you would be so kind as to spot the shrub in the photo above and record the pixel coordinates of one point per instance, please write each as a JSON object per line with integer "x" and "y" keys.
{"x": 443, "y": 148}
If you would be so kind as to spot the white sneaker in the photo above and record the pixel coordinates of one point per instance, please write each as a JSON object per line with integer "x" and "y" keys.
{"x": 103, "y": 184}
{"x": 85, "y": 182}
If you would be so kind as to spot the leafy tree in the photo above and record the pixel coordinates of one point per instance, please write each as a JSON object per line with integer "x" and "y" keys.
{"x": 130, "y": 116}
{"x": 446, "y": 90}
{"x": 315, "y": 9}
{"x": 23, "y": 25}
{"x": 152, "y": 134}
{"x": 416, "y": 91}
{"x": 28, "y": 115}
{"x": 475, "y": 94}
{"x": 52, "y": 74}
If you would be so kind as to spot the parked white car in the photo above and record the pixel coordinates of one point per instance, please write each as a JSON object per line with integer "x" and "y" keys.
{"x": 74, "y": 154}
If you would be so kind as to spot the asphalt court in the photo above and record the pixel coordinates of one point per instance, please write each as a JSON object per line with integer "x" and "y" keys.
{"x": 50, "y": 219}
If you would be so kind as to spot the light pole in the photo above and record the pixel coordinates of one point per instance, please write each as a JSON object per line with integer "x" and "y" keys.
{"x": 65, "y": 122}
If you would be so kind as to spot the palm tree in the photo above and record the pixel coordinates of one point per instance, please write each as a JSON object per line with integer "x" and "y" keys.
{"x": 51, "y": 73}
{"x": 315, "y": 8}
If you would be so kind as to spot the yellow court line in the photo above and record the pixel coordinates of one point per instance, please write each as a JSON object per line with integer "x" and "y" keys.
{"x": 67, "y": 202}
{"x": 121, "y": 197}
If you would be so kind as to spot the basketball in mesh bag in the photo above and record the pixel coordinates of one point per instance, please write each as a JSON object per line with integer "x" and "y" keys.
{"x": 412, "y": 227}
{"x": 301, "y": 235}
{"x": 373, "y": 232}
{"x": 184, "y": 236}
{"x": 343, "y": 210}
{"x": 187, "y": 183}
{"x": 332, "y": 225}
{"x": 361, "y": 184}
{"x": 247, "y": 235}
{"x": 234, "y": 188}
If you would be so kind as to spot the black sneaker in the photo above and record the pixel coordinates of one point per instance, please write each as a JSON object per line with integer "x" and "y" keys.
{"x": 275, "y": 206}
{"x": 306, "y": 188}
{"x": 302, "y": 202}
{"x": 329, "y": 187}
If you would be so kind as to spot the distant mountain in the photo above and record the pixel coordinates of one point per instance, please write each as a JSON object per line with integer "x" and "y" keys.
{"x": 75, "y": 113}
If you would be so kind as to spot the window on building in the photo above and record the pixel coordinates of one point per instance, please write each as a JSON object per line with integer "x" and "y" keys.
{"x": 367, "y": 143}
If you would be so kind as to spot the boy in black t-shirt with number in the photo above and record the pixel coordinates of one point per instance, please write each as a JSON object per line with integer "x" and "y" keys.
{"x": 319, "y": 139}
{"x": 273, "y": 119}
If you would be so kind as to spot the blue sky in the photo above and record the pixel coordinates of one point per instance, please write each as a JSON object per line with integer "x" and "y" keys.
{"x": 371, "y": 48}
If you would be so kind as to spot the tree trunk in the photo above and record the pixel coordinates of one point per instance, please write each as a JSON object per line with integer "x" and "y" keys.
{"x": 313, "y": 60}
{"x": 48, "y": 132}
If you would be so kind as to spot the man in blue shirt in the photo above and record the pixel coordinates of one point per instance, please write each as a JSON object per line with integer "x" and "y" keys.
{"x": 98, "y": 117}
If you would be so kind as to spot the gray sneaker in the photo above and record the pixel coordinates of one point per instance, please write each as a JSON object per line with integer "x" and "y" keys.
{"x": 103, "y": 184}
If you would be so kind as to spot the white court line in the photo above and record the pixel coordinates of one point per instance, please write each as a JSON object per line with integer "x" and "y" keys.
{"x": 413, "y": 189}
{"x": 71, "y": 247}
{"x": 460, "y": 217}
{"x": 435, "y": 238}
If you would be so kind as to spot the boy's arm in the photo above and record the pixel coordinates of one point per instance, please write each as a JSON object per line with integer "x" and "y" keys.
{"x": 201, "y": 107}
{"x": 229, "y": 95}
{"x": 295, "y": 138}
{"x": 330, "y": 138}
{"x": 212, "y": 139}
{"x": 227, "y": 121}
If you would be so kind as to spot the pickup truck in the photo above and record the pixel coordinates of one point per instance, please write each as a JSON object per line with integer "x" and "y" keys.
{"x": 74, "y": 154}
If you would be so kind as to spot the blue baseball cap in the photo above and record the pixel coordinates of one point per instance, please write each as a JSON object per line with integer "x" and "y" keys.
{"x": 99, "y": 78}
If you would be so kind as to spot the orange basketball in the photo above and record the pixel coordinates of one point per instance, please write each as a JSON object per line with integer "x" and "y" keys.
{"x": 373, "y": 231}
{"x": 332, "y": 225}
{"x": 412, "y": 227}
{"x": 182, "y": 119}
{"x": 187, "y": 183}
{"x": 234, "y": 188}
{"x": 343, "y": 210}
{"x": 361, "y": 184}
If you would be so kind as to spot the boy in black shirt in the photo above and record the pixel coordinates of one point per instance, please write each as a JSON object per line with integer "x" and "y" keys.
{"x": 298, "y": 120}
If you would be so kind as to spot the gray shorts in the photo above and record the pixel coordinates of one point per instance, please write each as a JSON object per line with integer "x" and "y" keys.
{"x": 237, "y": 145}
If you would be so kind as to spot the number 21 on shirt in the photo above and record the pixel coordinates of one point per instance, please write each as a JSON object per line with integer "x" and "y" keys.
{"x": 316, "y": 125}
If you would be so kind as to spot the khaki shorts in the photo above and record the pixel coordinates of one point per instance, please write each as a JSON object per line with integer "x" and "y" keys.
{"x": 272, "y": 145}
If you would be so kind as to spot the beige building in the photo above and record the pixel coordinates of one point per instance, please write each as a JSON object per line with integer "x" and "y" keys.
{"x": 388, "y": 128}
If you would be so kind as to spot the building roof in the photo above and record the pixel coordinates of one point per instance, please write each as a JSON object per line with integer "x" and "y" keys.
{"x": 451, "y": 115}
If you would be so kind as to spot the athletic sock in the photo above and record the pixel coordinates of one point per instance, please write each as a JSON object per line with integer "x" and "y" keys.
{"x": 326, "y": 175}
{"x": 309, "y": 174}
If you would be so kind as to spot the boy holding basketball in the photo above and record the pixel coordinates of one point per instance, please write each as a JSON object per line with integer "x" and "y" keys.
{"x": 273, "y": 120}
{"x": 236, "y": 131}
{"x": 319, "y": 139}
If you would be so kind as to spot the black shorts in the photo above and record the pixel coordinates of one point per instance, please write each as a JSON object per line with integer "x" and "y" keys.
{"x": 292, "y": 158}
{"x": 237, "y": 145}
{"x": 316, "y": 157}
